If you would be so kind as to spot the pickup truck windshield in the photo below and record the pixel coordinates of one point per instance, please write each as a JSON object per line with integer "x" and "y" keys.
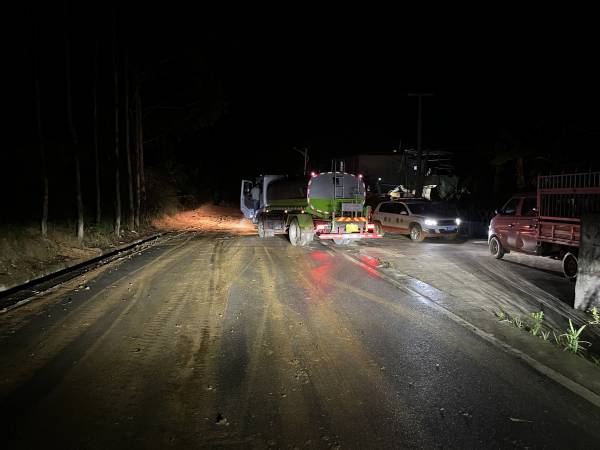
{"x": 437, "y": 209}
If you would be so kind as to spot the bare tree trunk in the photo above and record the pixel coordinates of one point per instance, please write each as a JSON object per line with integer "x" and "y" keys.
{"x": 138, "y": 143}
{"x": 44, "y": 174}
{"x": 131, "y": 216}
{"x": 141, "y": 156}
{"x": 73, "y": 133}
{"x": 117, "y": 228}
{"x": 95, "y": 133}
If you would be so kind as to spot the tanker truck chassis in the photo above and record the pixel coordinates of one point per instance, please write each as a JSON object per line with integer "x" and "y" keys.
{"x": 329, "y": 205}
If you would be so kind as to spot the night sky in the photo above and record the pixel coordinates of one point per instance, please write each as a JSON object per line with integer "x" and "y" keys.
{"x": 235, "y": 93}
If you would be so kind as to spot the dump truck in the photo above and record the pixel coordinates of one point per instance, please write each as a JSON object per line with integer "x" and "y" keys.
{"x": 547, "y": 222}
{"x": 329, "y": 205}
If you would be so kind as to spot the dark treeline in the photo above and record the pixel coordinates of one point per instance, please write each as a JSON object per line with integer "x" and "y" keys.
{"x": 97, "y": 109}
{"x": 78, "y": 122}
{"x": 122, "y": 113}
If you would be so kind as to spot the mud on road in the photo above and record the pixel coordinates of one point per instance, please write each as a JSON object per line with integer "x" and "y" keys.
{"x": 214, "y": 339}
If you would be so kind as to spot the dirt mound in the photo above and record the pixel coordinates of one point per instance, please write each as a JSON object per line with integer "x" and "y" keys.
{"x": 208, "y": 218}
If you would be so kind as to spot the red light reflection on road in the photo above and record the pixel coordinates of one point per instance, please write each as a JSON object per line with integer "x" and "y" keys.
{"x": 321, "y": 273}
{"x": 369, "y": 265}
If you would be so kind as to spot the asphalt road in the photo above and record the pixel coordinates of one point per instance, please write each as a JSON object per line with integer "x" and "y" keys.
{"x": 518, "y": 283}
{"x": 214, "y": 340}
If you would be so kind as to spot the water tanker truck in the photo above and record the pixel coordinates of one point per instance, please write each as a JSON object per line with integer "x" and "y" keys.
{"x": 329, "y": 205}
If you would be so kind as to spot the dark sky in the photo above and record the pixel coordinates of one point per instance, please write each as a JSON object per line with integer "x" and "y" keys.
{"x": 266, "y": 81}
{"x": 340, "y": 85}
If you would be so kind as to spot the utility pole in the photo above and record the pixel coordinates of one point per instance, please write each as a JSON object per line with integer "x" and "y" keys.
{"x": 420, "y": 175}
{"x": 304, "y": 153}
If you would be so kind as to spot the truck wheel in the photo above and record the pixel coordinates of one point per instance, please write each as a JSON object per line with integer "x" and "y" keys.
{"x": 569, "y": 266}
{"x": 496, "y": 248}
{"x": 295, "y": 233}
{"x": 379, "y": 228}
{"x": 416, "y": 233}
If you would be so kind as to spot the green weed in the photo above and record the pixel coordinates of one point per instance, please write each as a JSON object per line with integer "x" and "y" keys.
{"x": 536, "y": 325}
{"x": 595, "y": 315}
{"x": 502, "y": 317}
{"x": 517, "y": 322}
{"x": 557, "y": 338}
{"x": 544, "y": 335}
{"x": 572, "y": 342}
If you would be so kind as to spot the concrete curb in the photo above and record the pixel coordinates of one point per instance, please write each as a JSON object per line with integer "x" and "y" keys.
{"x": 580, "y": 376}
{"x": 62, "y": 271}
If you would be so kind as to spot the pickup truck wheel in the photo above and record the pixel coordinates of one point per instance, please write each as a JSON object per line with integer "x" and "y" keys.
{"x": 569, "y": 266}
{"x": 295, "y": 233}
{"x": 416, "y": 233}
{"x": 379, "y": 228}
{"x": 496, "y": 248}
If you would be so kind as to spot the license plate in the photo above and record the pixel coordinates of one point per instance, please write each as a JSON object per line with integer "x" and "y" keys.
{"x": 351, "y": 228}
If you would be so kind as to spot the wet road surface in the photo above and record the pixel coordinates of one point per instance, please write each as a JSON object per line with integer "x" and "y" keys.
{"x": 518, "y": 284}
{"x": 213, "y": 340}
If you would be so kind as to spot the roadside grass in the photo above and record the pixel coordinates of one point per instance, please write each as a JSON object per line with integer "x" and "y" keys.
{"x": 571, "y": 340}
{"x": 25, "y": 254}
{"x": 595, "y": 316}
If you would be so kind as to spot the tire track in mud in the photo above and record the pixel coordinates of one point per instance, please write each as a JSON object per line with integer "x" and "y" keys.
{"x": 314, "y": 364}
{"x": 288, "y": 399}
{"x": 200, "y": 369}
{"x": 350, "y": 368}
{"x": 180, "y": 343}
{"x": 93, "y": 361}
{"x": 78, "y": 324}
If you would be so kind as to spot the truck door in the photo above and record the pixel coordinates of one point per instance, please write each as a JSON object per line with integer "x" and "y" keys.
{"x": 506, "y": 223}
{"x": 527, "y": 224}
{"x": 246, "y": 205}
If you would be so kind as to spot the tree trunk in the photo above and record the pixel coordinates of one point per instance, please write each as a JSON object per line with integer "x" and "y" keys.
{"x": 73, "y": 134}
{"x": 117, "y": 226}
{"x": 141, "y": 157}
{"x": 95, "y": 135}
{"x": 131, "y": 215}
{"x": 138, "y": 143}
{"x": 79, "y": 199}
{"x": 44, "y": 173}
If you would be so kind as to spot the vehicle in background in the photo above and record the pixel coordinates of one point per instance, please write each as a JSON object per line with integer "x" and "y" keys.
{"x": 417, "y": 218}
{"x": 547, "y": 222}
{"x": 328, "y": 205}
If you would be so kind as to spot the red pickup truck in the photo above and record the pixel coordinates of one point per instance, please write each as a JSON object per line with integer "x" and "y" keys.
{"x": 547, "y": 222}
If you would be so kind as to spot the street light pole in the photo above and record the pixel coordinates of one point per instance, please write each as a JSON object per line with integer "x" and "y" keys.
{"x": 420, "y": 177}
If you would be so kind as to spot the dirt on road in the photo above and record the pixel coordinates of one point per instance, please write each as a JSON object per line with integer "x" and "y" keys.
{"x": 221, "y": 340}
{"x": 210, "y": 218}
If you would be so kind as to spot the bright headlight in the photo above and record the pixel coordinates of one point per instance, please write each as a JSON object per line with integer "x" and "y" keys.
{"x": 457, "y": 221}
{"x": 430, "y": 222}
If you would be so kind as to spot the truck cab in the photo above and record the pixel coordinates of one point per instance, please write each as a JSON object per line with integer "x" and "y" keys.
{"x": 247, "y": 206}
{"x": 515, "y": 225}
